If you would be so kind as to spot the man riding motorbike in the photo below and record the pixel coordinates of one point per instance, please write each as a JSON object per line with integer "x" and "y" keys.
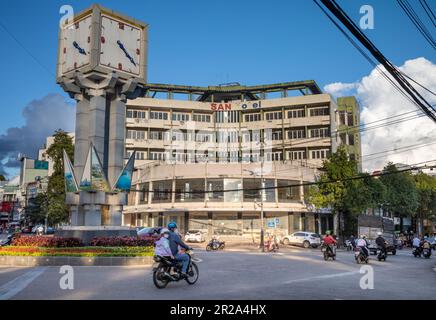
{"x": 381, "y": 242}
{"x": 329, "y": 241}
{"x": 175, "y": 242}
{"x": 363, "y": 244}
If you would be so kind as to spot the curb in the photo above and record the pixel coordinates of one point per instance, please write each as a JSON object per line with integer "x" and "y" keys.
{"x": 29, "y": 261}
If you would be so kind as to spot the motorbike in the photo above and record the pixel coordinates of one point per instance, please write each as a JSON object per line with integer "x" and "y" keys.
{"x": 215, "y": 244}
{"x": 426, "y": 252}
{"x": 162, "y": 271}
{"x": 348, "y": 245}
{"x": 7, "y": 241}
{"x": 382, "y": 255}
{"x": 417, "y": 252}
{"x": 360, "y": 256}
{"x": 329, "y": 251}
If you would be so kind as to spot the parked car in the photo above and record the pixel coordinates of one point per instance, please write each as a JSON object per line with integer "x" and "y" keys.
{"x": 195, "y": 236}
{"x": 149, "y": 232}
{"x": 302, "y": 238}
{"x": 50, "y": 230}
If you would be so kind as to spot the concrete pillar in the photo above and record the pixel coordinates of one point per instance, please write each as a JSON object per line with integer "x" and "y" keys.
{"x": 81, "y": 144}
{"x": 97, "y": 121}
{"x": 92, "y": 214}
{"x": 116, "y": 215}
{"x": 74, "y": 210}
{"x": 117, "y": 115}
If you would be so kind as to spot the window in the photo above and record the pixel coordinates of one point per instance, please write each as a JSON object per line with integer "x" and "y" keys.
{"x": 297, "y": 155}
{"x": 204, "y": 137}
{"x": 286, "y": 193}
{"x": 316, "y": 112}
{"x": 320, "y": 154}
{"x": 161, "y": 191}
{"x": 297, "y": 134}
{"x": 177, "y": 116}
{"x": 277, "y": 115}
{"x": 351, "y": 139}
{"x": 156, "y": 135}
{"x": 274, "y": 156}
{"x": 215, "y": 189}
{"x": 157, "y": 155}
{"x": 227, "y": 136}
{"x": 135, "y": 134}
{"x": 157, "y": 115}
{"x": 189, "y": 190}
{"x": 135, "y": 114}
{"x": 140, "y": 155}
{"x": 201, "y": 117}
{"x": 252, "y": 117}
{"x": 342, "y": 117}
{"x": 274, "y": 135}
{"x": 350, "y": 119}
{"x": 352, "y": 157}
{"x": 319, "y": 132}
{"x": 299, "y": 113}
{"x": 227, "y": 116}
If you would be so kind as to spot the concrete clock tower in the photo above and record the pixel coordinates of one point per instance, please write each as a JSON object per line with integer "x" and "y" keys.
{"x": 102, "y": 57}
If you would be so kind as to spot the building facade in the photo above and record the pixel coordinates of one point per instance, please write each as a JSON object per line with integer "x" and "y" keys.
{"x": 204, "y": 153}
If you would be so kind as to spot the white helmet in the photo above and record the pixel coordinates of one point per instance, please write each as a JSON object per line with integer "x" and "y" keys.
{"x": 379, "y": 233}
{"x": 363, "y": 236}
{"x": 164, "y": 230}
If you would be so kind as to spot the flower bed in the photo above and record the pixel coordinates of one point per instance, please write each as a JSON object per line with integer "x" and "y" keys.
{"x": 45, "y": 241}
{"x": 77, "y": 251}
{"x": 123, "y": 241}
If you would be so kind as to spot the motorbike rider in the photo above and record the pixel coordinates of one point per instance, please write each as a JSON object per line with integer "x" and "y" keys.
{"x": 425, "y": 244}
{"x": 176, "y": 242}
{"x": 416, "y": 243}
{"x": 363, "y": 244}
{"x": 329, "y": 241}
{"x": 381, "y": 242}
{"x": 352, "y": 240}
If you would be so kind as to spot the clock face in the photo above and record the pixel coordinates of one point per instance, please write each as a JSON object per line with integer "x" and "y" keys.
{"x": 120, "y": 45}
{"x": 75, "y": 45}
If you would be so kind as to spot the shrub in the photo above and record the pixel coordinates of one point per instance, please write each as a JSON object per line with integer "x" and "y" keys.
{"x": 123, "y": 241}
{"x": 77, "y": 251}
{"x": 44, "y": 241}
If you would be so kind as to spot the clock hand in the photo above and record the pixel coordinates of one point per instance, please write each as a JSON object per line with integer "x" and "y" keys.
{"x": 76, "y": 45}
{"x": 126, "y": 53}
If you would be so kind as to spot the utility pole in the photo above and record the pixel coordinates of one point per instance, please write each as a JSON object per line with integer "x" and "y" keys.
{"x": 262, "y": 193}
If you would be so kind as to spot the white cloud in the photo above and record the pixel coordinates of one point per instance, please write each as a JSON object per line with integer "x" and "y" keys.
{"x": 42, "y": 117}
{"x": 340, "y": 88}
{"x": 379, "y": 100}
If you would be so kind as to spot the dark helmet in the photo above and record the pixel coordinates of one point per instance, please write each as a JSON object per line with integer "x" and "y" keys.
{"x": 172, "y": 225}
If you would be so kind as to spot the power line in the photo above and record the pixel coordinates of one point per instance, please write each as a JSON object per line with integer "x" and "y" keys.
{"x": 25, "y": 49}
{"x": 363, "y": 39}
{"x": 412, "y": 15}
{"x": 428, "y": 10}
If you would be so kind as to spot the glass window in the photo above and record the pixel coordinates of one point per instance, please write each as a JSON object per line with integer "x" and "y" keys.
{"x": 232, "y": 184}
{"x": 189, "y": 190}
{"x": 288, "y": 194}
{"x": 226, "y": 224}
{"x": 297, "y": 134}
{"x": 350, "y": 119}
{"x": 299, "y": 113}
{"x": 161, "y": 191}
{"x": 215, "y": 189}
{"x": 316, "y": 112}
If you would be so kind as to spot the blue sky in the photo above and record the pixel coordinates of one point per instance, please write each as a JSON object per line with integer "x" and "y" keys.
{"x": 206, "y": 43}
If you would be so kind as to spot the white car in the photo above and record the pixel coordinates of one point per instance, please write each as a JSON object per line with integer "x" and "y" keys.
{"x": 303, "y": 238}
{"x": 195, "y": 236}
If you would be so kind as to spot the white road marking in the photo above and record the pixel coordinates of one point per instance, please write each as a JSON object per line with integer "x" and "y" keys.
{"x": 18, "y": 284}
{"x": 326, "y": 276}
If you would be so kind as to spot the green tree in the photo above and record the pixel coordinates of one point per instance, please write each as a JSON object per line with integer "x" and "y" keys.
{"x": 57, "y": 209}
{"x": 401, "y": 192}
{"x": 337, "y": 195}
{"x": 426, "y": 188}
{"x": 2, "y": 177}
{"x": 36, "y": 209}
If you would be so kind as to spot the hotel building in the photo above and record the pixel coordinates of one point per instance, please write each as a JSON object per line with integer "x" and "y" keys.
{"x": 203, "y": 153}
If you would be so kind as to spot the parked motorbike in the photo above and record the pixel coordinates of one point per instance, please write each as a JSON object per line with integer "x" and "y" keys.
{"x": 329, "y": 251}
{"x": 360, "y": 256}
{"x": 162, "y": 271}
{"x": 215, "y": 244}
